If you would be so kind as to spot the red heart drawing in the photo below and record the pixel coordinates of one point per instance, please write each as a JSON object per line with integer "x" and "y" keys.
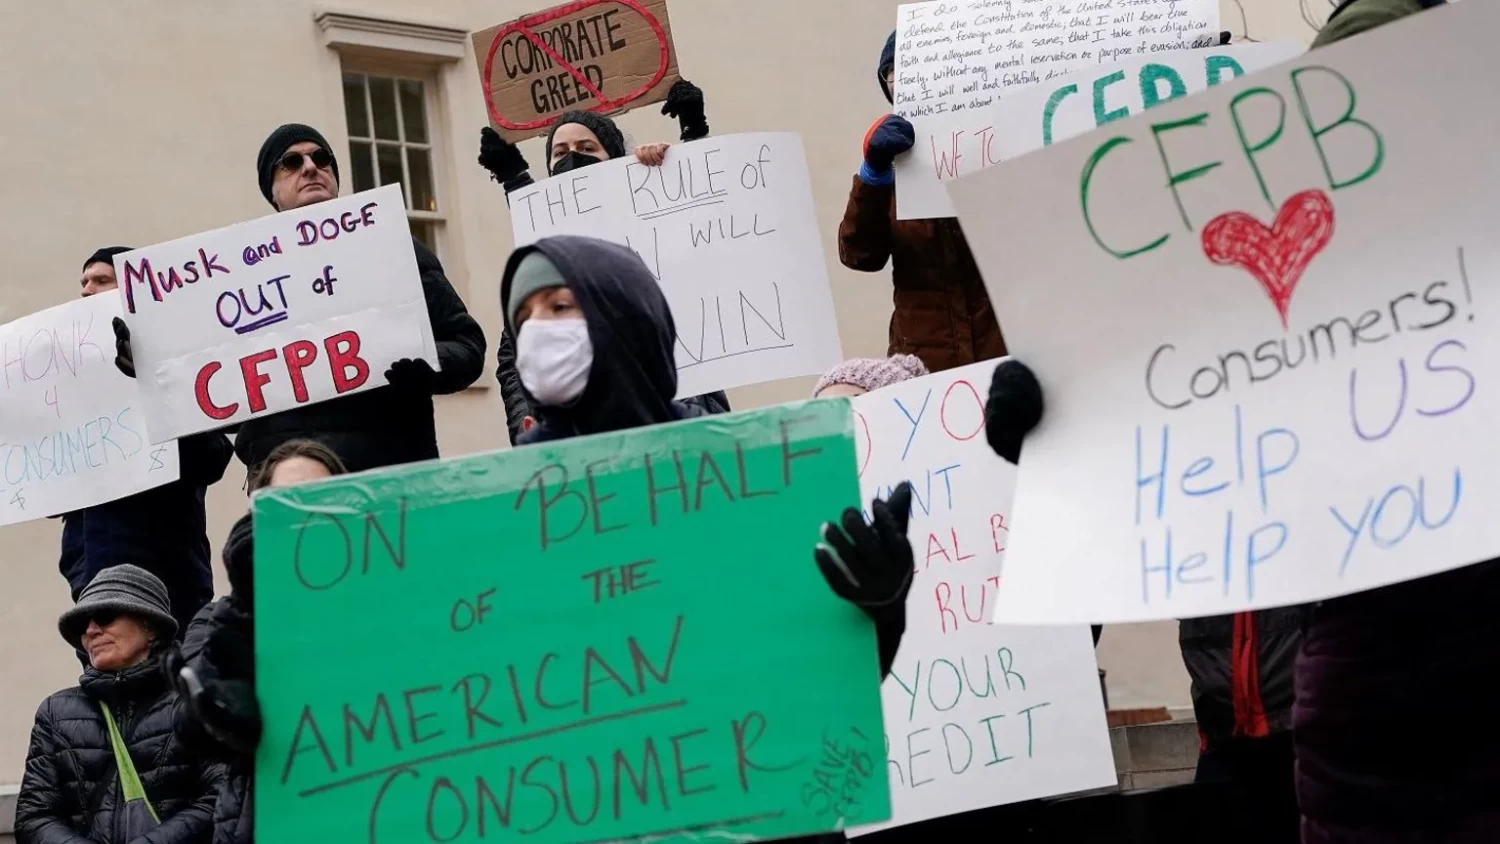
{"x": 605, "y": 105}
{"x": 1276, "y": 256}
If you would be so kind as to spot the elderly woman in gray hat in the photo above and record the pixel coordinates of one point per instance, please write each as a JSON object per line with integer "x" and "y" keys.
{"x": 105, "y": 765}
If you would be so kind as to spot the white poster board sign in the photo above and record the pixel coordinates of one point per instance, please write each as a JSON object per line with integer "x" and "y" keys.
{"x": 71, "y": 430}
{"x": 728, "y": 229}
{"x": 957, "y": 144}
{"x": 1258, "y": 315}
{"x": 264, "y": 316}
{"x": 976, "y": 714}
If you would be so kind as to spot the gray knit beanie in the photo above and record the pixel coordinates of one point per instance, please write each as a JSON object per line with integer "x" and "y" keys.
{"x": 873, "y": 373}
{"x": 535, "y": 272}
{"x": 123, "y": 590}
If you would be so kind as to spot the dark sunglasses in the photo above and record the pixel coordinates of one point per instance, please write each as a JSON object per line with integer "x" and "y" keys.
{"x": 104, "y": 618}
{"x": 321, "y": 159}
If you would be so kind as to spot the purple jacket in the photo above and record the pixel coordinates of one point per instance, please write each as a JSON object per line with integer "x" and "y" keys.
{"x": 1397, "y": 738}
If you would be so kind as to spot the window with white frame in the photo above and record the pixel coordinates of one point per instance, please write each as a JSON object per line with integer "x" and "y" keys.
{"x": 391, "y": 142}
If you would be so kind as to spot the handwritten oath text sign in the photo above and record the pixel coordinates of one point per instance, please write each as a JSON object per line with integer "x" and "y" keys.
{"x": 727, "y": 227}
{"x": 603, "y": 56}
{"x": 976, "y": 714}
{"x": 957, "y": 144}
{"x": 962, "y": 55}
{"x": 291, "y": 309}
{"x": 589, "y": 648}
{"x": 1260, "y": 316}
{"x": 71, "y": 430}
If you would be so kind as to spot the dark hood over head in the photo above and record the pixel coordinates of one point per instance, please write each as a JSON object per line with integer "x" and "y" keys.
{"x": 887, "y": 61}
{"x": 634, "y": 376}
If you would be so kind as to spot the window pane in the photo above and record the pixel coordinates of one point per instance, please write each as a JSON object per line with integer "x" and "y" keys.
{"x": 419, "y": 163}
{"x": 354, "y": 106}
{"x": 412, "y": 111}
{"x": 425, "y": 231}
{"x": 389, "y": 158}
{"x": 364, "y": 168}
{"x": 383, "y": 104}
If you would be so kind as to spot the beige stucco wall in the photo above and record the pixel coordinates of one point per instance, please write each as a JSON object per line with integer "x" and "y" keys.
{"x": 137, "y": 122}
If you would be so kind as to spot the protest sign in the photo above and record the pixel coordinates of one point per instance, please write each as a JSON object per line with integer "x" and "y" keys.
{"x": 961, "y": 56}
{"x": 71, "y": 430}
{"x": 585, "y": 646}
{"x": 287, "y": 310}
{"x": 976, "y": 714}
{"x": 953, "y": 145}
{"x": 1258, "y": 316}
{"x": 603, "y": 56}
{"x": 727, "y": 228}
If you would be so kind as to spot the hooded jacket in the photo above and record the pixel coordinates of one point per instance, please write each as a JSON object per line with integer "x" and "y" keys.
{"x": 161, "y": 530}
{"x": 389, "y": 425}
{"x": 71, "y": 790}
{"x": 942, "y": 312}
{"x": 634, "y": 374}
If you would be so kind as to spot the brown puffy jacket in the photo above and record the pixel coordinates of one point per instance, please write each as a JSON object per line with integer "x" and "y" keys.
{"x": 943, "y": 314}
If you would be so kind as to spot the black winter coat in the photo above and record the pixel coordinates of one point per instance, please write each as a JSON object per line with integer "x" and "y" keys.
{"x": 71, "y": 790}
{"x": 1243, "y": 671}
{"x": 161, "y": 530}
{"x": 384, "y": 426}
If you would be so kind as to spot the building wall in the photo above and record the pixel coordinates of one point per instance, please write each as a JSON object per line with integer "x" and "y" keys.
{"x": 138, "y": 121}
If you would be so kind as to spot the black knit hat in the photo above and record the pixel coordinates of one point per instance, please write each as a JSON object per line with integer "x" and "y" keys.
{"x": 106, "y": 255}
{"x": 887, "y": 62}
{"x": 122, "y": 590}
{"x": 276, "y": 146}
{"x": 609, "y": 135}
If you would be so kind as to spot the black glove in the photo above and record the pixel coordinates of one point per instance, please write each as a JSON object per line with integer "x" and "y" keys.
{"x": 501, "y": 157}
{"x": 1224, "y": 36}
{"x": 1014, "y": 408}
{"x": 413, "y": 376}
{"x": 124, "y": 361}
{"x": 219, "y": 686}
{"x": 685, "y": 102}
{"x": 870, "y": 565}
{"x": 893, "y": 136}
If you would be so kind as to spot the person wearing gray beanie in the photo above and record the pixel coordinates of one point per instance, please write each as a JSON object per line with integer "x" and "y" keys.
{"x": 866, "y": 375}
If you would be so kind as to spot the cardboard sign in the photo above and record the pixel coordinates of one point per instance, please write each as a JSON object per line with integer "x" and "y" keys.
{"x": 287, "y": 310}
{"x": 976, "y": 714}
{"x": 954, "y": 145}
{"x": 953, "y": 56}
{"x": 574, "y": 642}
{"x": 1259, "y": 316}
{"x": 727, "y": 227}
{"x": 604, "y": 56}
{"x": 71, "y": 430}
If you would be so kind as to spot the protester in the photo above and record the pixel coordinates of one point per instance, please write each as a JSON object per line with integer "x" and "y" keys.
{"x": 380, "y": 427}
{"x": 1241, "y": 665}
{"x": 129, "y": 530}
{"x": 76, "y": 789}
{"x": 215, "y": 669}
{"x": 580, "y": 139}
{"x": 942, "y": 313}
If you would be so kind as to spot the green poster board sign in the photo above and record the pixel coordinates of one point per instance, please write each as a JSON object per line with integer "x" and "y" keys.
{"x": 612, "y": 637}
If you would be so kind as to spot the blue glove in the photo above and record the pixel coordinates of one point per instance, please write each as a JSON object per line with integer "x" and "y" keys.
{"x": 888, "y": 138}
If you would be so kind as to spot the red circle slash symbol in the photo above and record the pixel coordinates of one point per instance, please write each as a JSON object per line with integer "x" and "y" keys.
{"x": 605, "y": 104}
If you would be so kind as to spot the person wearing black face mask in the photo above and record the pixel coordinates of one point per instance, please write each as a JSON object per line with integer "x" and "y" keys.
{"x": 579, "y": 139}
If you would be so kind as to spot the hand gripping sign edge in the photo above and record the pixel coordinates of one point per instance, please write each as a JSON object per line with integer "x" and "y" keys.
{"x": 524, "y": 25}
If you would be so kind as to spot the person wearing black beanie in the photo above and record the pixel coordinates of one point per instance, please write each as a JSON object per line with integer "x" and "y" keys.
{"x": 579, "y": 139}
{"x": 129, "y": 530}
{"x": 388, "y": 426}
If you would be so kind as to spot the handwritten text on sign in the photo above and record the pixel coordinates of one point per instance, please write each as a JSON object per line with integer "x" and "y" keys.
{"x": 292, "y": 309}
{"x": 961, "y": 55}
{"x": 71, "y": 430}
{"x": 568, "y": 667}
{"x": 1260, "y": 316}
{"x": 953, "y": 145}
{"x": 975, "y": 714}
{"x": 596, "y": 55}
{"x": 727, "y": 228}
